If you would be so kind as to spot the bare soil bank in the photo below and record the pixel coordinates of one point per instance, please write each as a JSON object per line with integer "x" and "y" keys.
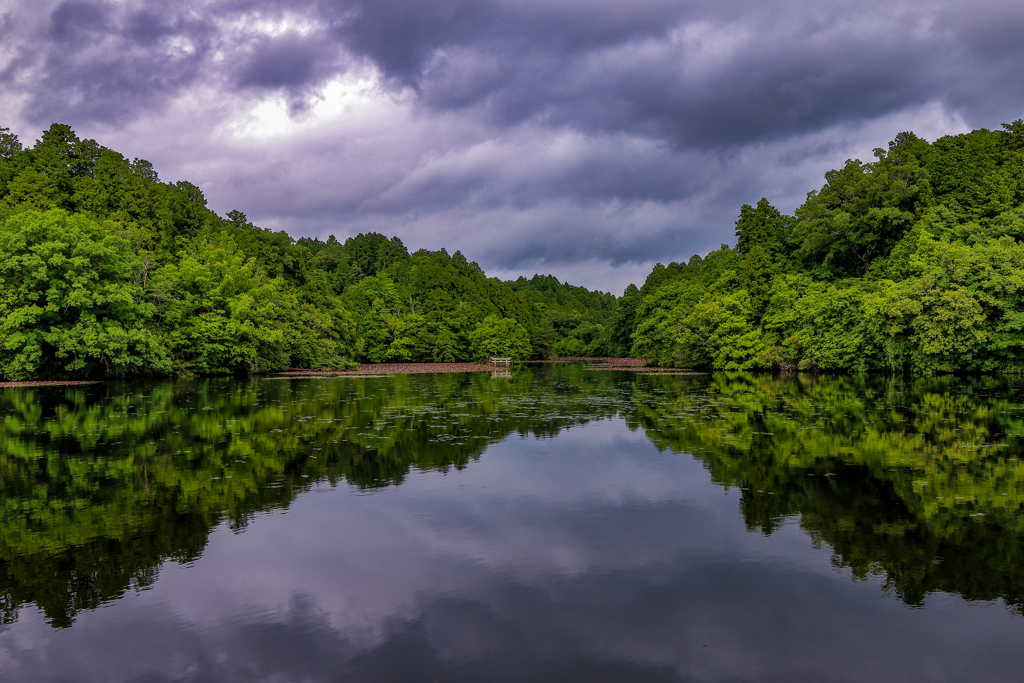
{"x": 419, "y": 368}
{"x": 366, "y": 369}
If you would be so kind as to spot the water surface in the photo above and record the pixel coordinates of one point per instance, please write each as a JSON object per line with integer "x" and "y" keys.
{"x": 559, "y": 524}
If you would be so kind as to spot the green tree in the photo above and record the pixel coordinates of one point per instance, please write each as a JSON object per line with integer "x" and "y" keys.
{"x": 10, "y": 146}
{"x": 624, "y": 323}
{"x": 446, "y": 346}
{"x": 500, "y": 338}
{"x": 758, "y": 271}
{"x": 762, "y": 226}
{"x": 372, "y": 252}
{"x": 1015, "y": 131}
{"x": 30, "y": 189}
{"x": 220, "y": 314}
{"x": 863, "y": 209}
{"x": 71, "y": 301}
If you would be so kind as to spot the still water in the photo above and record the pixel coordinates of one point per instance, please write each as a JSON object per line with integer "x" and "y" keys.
{"x": 560, "y": 524}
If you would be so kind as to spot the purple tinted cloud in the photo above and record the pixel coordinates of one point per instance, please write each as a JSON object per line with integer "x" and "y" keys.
{"x": 665, "y": 103}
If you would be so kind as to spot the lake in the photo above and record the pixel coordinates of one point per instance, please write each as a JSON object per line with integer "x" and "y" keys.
{"x": 555, "y": 524}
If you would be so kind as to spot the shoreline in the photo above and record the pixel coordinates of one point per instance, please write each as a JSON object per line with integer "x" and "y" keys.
{"x": 46, "y": 383}
{"x": 382, "y": 369}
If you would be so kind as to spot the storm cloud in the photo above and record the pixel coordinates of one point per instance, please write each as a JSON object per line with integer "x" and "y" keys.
{"x": 585, "y": 138}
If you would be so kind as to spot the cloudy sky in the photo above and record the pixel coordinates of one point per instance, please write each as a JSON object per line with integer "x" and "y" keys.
{"x": 585, "y": 138}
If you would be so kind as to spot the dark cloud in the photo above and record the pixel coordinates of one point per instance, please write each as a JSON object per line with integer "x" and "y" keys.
{"x": 685, "y": 73}
{"x": 72, "y": 22}
{"x": 760, "y": 92}
{"x": 147, "y": 27}
{"x": 291, "y": 63}
{"x": 98, "y": 62}
{"x": 401, "y": 35}
{"x": 287, "y": 61}
{"x": 605, "y": 67}
{"x": 557, "y": 244}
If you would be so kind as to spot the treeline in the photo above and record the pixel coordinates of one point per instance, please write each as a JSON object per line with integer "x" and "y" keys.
{"x": 912, "y": 262}
{"x": 107, "y": 271}
{"x": 432, "y": 306}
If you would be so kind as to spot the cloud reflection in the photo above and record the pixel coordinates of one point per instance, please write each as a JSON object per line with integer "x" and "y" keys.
{"x": 635, "y": 568}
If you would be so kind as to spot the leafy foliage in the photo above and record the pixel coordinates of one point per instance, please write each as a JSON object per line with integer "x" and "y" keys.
{"x": 107, "y": 271}
{"x": 572, "y": 321}
{"x": 499, "y": 337}
{"x": 72, "y": 300}
{"x": 912, "y": 262}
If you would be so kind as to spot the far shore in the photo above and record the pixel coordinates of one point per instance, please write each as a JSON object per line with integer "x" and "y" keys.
{"x": 370, "y": 369}
{"x": 367, "y": 369}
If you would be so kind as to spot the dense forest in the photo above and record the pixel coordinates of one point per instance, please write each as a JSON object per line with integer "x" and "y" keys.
{"x": 107, "y": 271}
{"x": 911, "y": 262}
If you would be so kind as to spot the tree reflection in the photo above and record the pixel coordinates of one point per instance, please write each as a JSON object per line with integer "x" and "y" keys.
{"x": 918, "y": 482}
{"x": 102, "y": 484}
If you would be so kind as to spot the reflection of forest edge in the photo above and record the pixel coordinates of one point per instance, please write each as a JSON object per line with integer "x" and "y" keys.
{"x": 920, "y": 482}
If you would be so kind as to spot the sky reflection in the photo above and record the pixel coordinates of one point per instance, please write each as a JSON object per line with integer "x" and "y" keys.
{"x": 589, "y": 556}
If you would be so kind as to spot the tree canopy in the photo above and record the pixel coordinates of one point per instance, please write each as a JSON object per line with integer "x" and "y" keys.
{"x": 911, "y": 262}
{"x": 107, "y": 271}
